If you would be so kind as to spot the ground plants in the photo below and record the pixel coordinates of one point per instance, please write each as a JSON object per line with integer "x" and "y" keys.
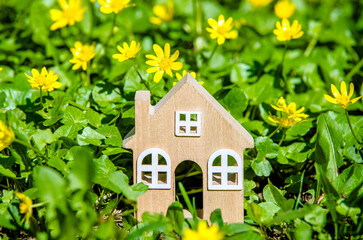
{"x": 69, "y": 70}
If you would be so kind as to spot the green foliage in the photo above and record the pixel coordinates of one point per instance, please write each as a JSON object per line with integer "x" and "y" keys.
{"x": 302, "y": 182}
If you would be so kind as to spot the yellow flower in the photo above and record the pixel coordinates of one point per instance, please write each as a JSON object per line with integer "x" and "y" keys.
{"x": 203, "y": 232}
{"x": 6, "y": 136}
{"x": 164, "y": 13}
{"x": 25, "y": 206}
{"x": 71, "y": 13}
{"x": 178, "y": 76}
{"x": 127, "y": 52}
{"x": 284, "y": 9}
{"x": 221, "y": 29}
{"x": 288, "y": 114}
{"x": 162, "y": 62}
{"x": 342, "y": 98}
{"x": 285, "y": 32}
{"x": 259, "y": 3}
{"x": 82, "y": 54}
{"x": 1, "y": 69}
{"x": 45, "y": 81}
{"x": 114, "y": 6}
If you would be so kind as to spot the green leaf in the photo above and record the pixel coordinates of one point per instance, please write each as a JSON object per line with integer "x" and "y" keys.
{"x": 74, "y": 116}
{"x": 43, "y": 137}
{"x": 82, "y": 170}
{"x": 69, "y": 131}
{"x": 58, "y": 164}
{"x": 240, "y": 73}
{"x": 261, "y": 166}
{"x": 176, "y": 215}
{"x": 237, "y": 228}
{"x": 93, "y": 118}
{"x": 328, "y": 144}
{"x": 349, "y": 179}
{"x": 266, "y": 147}
{"x": 7, "y": 172}
{"x": 90, "y": 136}
{"x": 330, "y": 192}
{"x": 112, "y": 134}
{"x": 52, "y": 189}
{"x": 216, "y": 217}
{"x": 236, "y": 102}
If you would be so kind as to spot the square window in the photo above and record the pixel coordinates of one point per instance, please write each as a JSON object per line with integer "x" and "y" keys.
{"x": 217, "y": 179}
{"x": 146, "y": 177}
{"x": 188, "y": 123}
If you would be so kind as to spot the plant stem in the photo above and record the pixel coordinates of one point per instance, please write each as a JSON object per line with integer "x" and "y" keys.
{"x": 282, "y": 67}
{"x": 31, "y": 147}
{"x": 213, "y": 52}
{"x": 283, "y": 137}
{"x": 300, "y": 189}
{"x": 274, "y": 132}
{"x": 88, "y": 75}
{"x": 351, "y": 128}
{"x": 138, "y": 73}
{"x": 354, "y": 70}
{"x": 19, "y": 23}
{"x": 111, "y": 33}
{"x": 38, "y": 204}
{"x": 315, "y": 38}
{"x": 41, "y": 96}
{"x": 198, "y": 17}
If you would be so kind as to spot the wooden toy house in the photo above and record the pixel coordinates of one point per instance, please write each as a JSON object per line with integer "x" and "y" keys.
{"x": 188, "y": 124}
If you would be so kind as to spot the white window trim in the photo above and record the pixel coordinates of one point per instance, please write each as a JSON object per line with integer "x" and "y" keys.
{"x": 224, "y": 169}
{"x": 154, "y": 168}
{"x": 188, "y": 123}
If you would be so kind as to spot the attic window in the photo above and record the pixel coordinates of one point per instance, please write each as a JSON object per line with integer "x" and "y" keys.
{"x": 188, "y": 123}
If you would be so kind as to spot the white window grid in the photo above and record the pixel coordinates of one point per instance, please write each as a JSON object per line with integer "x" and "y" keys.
{"x": 224, "y": 170}
{"x": 154, "y": 168}
{"x": 188, "y": 123}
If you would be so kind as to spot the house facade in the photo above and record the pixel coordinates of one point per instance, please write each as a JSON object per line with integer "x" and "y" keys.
{"x": 188, "y": 124}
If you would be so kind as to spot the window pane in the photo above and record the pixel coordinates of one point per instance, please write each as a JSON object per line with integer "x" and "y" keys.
{"x": 193, "y": 117}
{"x": 146, "y": 177}
{"x": 217, "y": 161}
{"x": 182, "y": 117}
{"x": 231, "y": 161}
{"x": 161, "y": 160}
{"x": 193, "y": 130}
{"x": 232, "y": 178}
{"x": 217, "y": 179}
{"x": 161, "y": 177}
{"x": 182, "y": 129}
{"x": 147, "y": 160}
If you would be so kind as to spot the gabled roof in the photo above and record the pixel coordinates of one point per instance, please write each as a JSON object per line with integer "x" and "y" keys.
{"x": 188, "y": 79}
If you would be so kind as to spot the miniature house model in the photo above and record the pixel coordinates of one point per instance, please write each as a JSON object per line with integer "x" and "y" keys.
{"x": 188, "y": 124}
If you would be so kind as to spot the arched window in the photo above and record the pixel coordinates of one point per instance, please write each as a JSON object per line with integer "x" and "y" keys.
{"x": 153, "y": 169}
{"x": 225, "y": 170}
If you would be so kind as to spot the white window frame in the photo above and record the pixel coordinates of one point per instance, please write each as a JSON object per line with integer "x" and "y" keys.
{"x": 154, "y": 168}
{"x": 188, "y": 123}
{"x": 224, "y": 169}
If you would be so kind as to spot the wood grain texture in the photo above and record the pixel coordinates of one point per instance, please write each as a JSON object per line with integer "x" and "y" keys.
{"x": 155, "y": 128}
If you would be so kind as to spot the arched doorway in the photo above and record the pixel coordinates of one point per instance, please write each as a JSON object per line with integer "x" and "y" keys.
{"x": 190, "y": 175}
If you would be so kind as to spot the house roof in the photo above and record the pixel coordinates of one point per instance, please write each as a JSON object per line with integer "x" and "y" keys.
{"x": 188, "y": 79}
